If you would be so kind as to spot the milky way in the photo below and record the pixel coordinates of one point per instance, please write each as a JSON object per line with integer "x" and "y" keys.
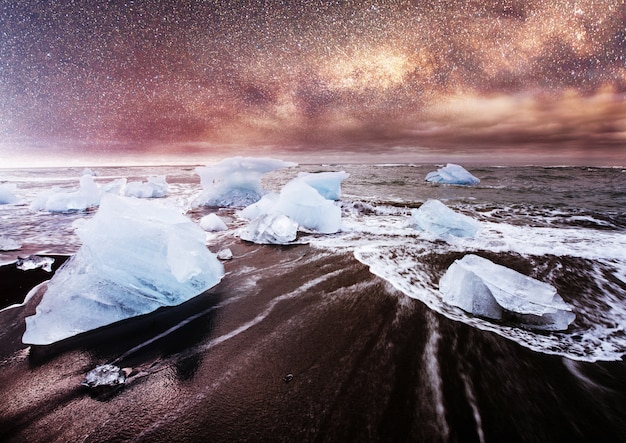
{"x": 315, "y": 73}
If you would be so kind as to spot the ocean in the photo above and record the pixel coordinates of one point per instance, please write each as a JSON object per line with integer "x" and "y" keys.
{"x": 344, "y": 337}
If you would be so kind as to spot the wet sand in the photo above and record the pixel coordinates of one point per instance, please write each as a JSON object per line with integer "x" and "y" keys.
{"x": 298, "y": 344}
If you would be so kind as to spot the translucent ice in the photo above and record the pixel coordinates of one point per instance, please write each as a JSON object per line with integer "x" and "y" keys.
{"x": 433, "y": 216}
{"x": 34, "y": 262}
{"x": 86, "y": 197}
{"x": 328, "y": 184}
{"x": 212, "y": 223}
{"x": 235, "y": 182}
{"x": 271, "y": 229}
{"x": 452, "y": 174}
{"x": 136, "y": 256}
{"x": 105, "y": 375}
{"x": 7, "y": 194}
{"x": 155, "y": 187}
{"x": 486, "y": 289}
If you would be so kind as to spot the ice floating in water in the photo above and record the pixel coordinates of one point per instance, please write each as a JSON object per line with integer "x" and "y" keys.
{"x": 452, "y": 174}
{"x": 486, "y": 289}
{"x": 303, "y": 204}
{"x": 54, "y": 200}
{"x": 155, "y": 187}
{"x": 328, "y": 184}
{"x": 105, "y": 375}
{"x": 7, "y": 194}
{"x": 136, "y": 256}
{"x": 225, "y": 254}
{"x": 433, "y": 216}
{"x": 34, "y": 262}
{"x": 212, "y": 223}
{"x": 8, "y": 244}
{"x": 235, "y": 182}
{"x": 270, "y": 229}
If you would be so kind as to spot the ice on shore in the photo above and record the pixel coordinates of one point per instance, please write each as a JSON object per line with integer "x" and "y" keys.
{"x": 105, "y": 375}
{"x": 485, "y": 289}
{"x": 86, "y": 197}
{"x": 136, "y": 256}
{"x": 8, "y": 244}
{"x": 235, "y": 182}
{"x": 435, "y": 217}
{"x": 154, "y": 187}
{"x": 7, "y": 194}
{"x": 212, "y": 223}
{"x": 270, "y": 229}
{"x": 34, "y": 262}
{"x": 452, "y": 174}
{"x": 328, "y": 184}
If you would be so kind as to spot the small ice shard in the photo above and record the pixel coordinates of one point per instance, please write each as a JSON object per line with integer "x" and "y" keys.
{"x": 270, "y": 229}
{"x": 225, "y": 254}
{"x": 155, "y": 187}
{"x": 435, "y": 217}
{"x": 452, "y": 174}
{"x": 212, "y": 223}
{"x": 8, "y": 244}
{"x": 485, "y": 289}
{"x": 235, "y": 182}
{"x": 328, "y": 184}
{"x": 34, "y": 262}
{"x": 7, "y": 194}
{"x": 86, "y": 197}
{"x": 136, "y": 256}
{"x": 105, "y": 375}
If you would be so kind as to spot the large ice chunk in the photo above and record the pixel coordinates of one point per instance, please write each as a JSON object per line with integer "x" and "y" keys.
{"x": 328, "y": 184}
{"x": 86, "y": 197}
{"x": 486, "y": 289}
{"x": 235, "y": 182}
{"x": 136, "y": 256}
{"x": 7, "y": 194}
{"x": 433, "y": 216}
{"x": 452, "y": 174}
{"x": 271, "y": 229}
{"x": 154, "y": 187}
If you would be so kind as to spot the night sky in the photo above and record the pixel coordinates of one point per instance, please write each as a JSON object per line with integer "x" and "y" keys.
{"x": 105, "y": 79}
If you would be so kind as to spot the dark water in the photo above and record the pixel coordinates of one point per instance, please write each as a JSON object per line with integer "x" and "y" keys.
{"x": 346, "y": 339}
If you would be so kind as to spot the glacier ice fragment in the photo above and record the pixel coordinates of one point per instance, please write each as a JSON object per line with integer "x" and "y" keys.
{"x": 34, "y": 262}
{"x": 452, "y": 174}
{"x": 86, "y": 197}
{"x": 328, "y": 184}
{"x": 435, "y": 217}
{"x": 486, "y": 289}
{"x": 8, "y": 244}
{"x": 7, "y": 194}
{"x": 235, "y": 182}
{"x": 136, "y": 256}
{"x": 154, "y": 187}
{"x": 212, "y": 223}
{"x": 105, "y": 375}
{"x": 270, "y": 229}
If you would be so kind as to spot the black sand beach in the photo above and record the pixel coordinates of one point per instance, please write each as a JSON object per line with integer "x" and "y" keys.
{"x": 297, "y": 344}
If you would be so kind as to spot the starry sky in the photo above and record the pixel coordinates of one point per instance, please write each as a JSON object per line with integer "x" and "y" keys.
{"x": 475, "y": 78}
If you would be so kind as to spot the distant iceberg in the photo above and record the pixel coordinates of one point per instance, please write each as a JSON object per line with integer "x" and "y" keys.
{"x": 485, "y": 289}
{"x": 7, "y": 194}
{"x": 54, "y": 200}
{"x": 235, "y": 182}
{"x": 435, "y": 217}
{"x": 452, "y": 174}
{"x": 154, "y": 187}
{"x": 136, "y": 256}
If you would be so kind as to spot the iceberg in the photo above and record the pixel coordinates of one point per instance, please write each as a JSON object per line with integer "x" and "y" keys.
{"x": 452, "y": 174}
{"x": 270, "y": 229}
{"x": 212, "y": 223}
{"x": 136, "y": 256}
{"x": 7, "y": 194}
{"x": 86, "y": 197}
{"x": 433, "y": 216}
{"x": 328, "y": 184}
{"x": 235, "y": 182}
{"x": 155, "y": 187}
{"x": 485, "y": 289}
